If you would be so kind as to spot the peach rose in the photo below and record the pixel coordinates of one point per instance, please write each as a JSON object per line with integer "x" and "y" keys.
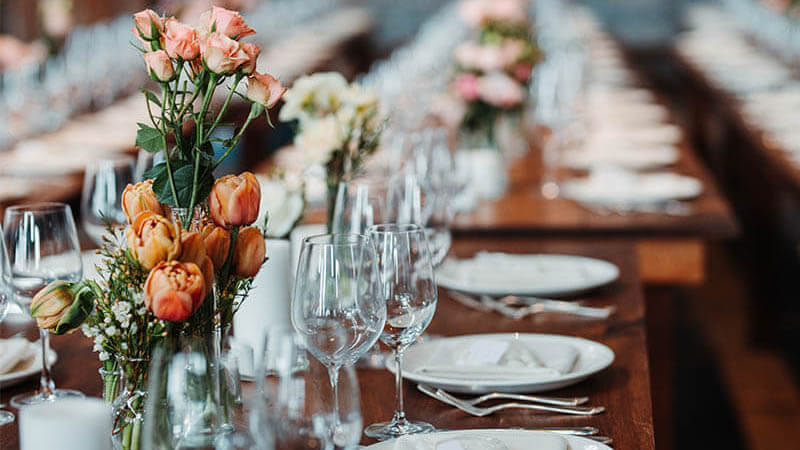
{"x": 159, "y": 66}
{"x": 149, "y": 25}
{"x": 217, "y": 242}
{"x": 153, "y": 239}
{"x": 138, "y": 198}
{"x": 174, "y": 290}
{"x": 466, "y": 85}
{"x": 264, "y": 89}
{"x": 221, "y": 53}
{"x": 230, "y": 23}
{"x": 234, "y": 200}
{"x": 248, "y": 255}
{"x": 180, "y": 40}
{"x": 252, "y": 51}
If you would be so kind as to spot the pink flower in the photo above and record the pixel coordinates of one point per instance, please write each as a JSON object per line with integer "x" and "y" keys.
{"x": 264, "y": 89}
{"x": 489, "y": 57}
{"x": 144, "y": 21}
{"x": 252, "y": 51}
{"x": 222, "y": 54}
{"x": 498, "y": 89}
{"x": 466, "y": 85}
{"x": 180, "y": 40}
{"x": 159, "y": 66}
{"x": 479, "y": 12}
{"x": 225, "y": 21}
{"x": 522, "y": 72}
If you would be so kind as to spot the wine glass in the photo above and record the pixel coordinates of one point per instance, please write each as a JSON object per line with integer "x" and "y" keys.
{"x": 292, "y": 409}
{"x": 42, "y": 247}
{"x": 6, "y": 417}
{"x": 337, "y": 303}
{"x": 410, "y": 292}
{"x": 101, "y": 199}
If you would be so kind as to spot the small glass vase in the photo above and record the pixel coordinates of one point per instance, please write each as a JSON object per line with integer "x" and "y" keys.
{"x": 125, "y": 388}
{"x": 487, "y": 166}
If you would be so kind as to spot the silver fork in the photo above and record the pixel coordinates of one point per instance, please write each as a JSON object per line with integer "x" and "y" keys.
{"x": 480, "y": 412}
{"x": 559, "y": 401}
{"x": 563, "y": 306}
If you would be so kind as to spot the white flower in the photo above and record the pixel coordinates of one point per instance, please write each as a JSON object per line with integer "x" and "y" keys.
{"x": 87, "y": 330}
{"x": 104, "y": 356}
{"x": 111, "y": 331}
{"x": 319, "y": 139}
{"x": 280, "y": 208}
{"x": 313, "y": 96}
{"x": 498, "y": 89}
{"x": 122, "y": 312}
{"x": 123, "y": 345}
{"x": 107, "y": 320}
{"x": 99, "y": 339}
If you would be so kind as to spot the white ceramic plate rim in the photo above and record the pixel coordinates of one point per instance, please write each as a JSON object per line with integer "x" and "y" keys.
{"x": 574, "y": 442}
{"x": 10, "y": 379}
{"x": 581, "y": 344}
{"x": 474, "y": 286}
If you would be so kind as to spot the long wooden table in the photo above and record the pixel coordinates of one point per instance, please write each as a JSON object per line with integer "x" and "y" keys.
{"x": 624, "y": 388}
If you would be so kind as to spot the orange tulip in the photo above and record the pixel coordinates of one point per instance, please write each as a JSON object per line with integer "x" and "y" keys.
{"x": 174, "y": 290}
{"x": 234, "y": 200}
{"x": 51, "y": 303}
{"x": 193, "y": 249}
{"x": 218, "y": 243}
{"x": 138, "y": 198}
{"x": 207, "y": 267}
{"x": 152, "y": 239}
{"x": 248, "y": 255}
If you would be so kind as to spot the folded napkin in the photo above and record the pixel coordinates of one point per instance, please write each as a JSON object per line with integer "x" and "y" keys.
{"x": 16, "y": 353}
{"x": 479, "y": 440}
{"x": 500, "y": 360}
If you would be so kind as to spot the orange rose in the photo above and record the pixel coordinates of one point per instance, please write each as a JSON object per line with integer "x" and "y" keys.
{"x": 174, "y": 290}
{"x": 153, "y": 239}
{"x": 218, "y": 242}
{"x": 230, "y": 23}
{"x": 248, "y": 255}
{"x": 180, "y": 40}
{"x": 222, "y": 54}
{"x": 138, "y": 198}
{"x": 234, "y": 200}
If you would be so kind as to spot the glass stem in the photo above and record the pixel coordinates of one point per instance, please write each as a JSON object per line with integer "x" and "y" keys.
{"x": 47, "y": 385}
{"x": 333, "y": 376}
{"x": 399, "y": 410}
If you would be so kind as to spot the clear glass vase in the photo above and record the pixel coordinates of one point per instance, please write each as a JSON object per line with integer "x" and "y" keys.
{"x": 125, "y": 388}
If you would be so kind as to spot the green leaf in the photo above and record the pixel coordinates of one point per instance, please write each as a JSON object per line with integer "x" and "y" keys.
{"x": 183, "y": 175}
{"x": 148, "y": 138}
{"x": 155, "y": 171}
{"x": 151, "y": 97}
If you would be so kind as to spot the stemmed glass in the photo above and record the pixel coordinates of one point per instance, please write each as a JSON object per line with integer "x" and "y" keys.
{"x": 42, "y": 247}
{"x": 337, "y": 301}
{"x": 101, "y": 198}
{"x": 6, "y": 417}
{"x": 410, "y": 292}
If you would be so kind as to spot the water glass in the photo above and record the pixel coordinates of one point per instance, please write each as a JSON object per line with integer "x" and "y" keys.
{"x": 101, "y": 199}
{"x": 6, "y": 417}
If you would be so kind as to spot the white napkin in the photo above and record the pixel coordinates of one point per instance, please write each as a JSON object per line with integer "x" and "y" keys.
{"x": 496, "y": 359}
{"x": 15, "y": 351}
{"x": 477, "y": 440}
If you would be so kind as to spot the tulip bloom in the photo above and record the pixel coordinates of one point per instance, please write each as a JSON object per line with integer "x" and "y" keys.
{"x": 217, "y": 242}
{"x": 234, "y": 200}
{"x": 264, "y": 89}
{"x": 248, "y": 255}
{"x": 138, "y": 198}
{"x": 230, "y": 23}
{"x": 148, "y": 24}
{"x": 193, "y": 249}
{"x": 174, "y": 290}
{"x": 180, "y": 40}
{"x": 62, "y": 306}
{"x": 159, "y": 66}
{"x": 222, "y": 54}
{"x": 152, "y": 239}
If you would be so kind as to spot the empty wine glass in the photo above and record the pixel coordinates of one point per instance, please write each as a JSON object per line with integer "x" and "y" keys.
{"x": 410, "y": 292}
{"x": 292, "y": 409}
{"x": 101, "y": 199}
{"x": 42, "y": 247}
{"x": 6, "y": 417}
{"x": 337, "y": 303}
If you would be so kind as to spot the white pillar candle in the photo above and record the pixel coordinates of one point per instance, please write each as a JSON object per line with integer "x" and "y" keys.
{"x": 68, "y": 424}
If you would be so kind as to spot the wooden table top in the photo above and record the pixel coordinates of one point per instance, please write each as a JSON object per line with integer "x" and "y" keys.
{"x": 624, "y": 388}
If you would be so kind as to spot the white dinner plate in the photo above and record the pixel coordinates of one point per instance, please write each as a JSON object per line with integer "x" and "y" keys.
{"x": 512, "y": 439}
{"x": 634, "y": 189}
{"x": 525, "y": 274}
{"x": 641, "y": 158}
{"x": 32, "y": 368}
{"x": 592, "y": 357}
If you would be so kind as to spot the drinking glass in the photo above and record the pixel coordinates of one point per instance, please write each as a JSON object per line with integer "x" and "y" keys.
{"x": 6, "y": 417}
{"x": 101, "y": 199}
{"x": 292, "y": 409}
{"x": 337, "y": 302}
{"x": 410, "y": 292}
{"x": 42, "y": 247}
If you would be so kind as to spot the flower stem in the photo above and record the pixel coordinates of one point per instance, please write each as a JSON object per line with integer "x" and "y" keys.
{"x": 164, "y": 146}
{"x": 234, "y": 141}
{"x": 225, "y": 105}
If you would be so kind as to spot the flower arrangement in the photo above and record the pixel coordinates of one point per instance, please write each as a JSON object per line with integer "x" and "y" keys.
{"x": 282, "y": 204}
{"x": 338, "y": 125}
{"x": 189, "y": 253}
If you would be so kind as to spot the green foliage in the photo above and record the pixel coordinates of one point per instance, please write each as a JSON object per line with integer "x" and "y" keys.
{"x": 149, "y": 138}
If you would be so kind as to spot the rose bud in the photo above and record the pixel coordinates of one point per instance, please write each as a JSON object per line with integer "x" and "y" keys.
{"x": 61, "y": 306}
{"x": 248, "y": 255}
{"x": 159, "y": 66}
{"x": 138, "y": 198}
{"x": 174, "y": 290}
{"x": 217, "y": 242}
{"x": 180, "y": 40}
{"x": 252, "y": 52}
{"x": 234, "y": 200}
{"x": 148, "y": 24}
{"x": 222, "y": 54}
{"x": 264, "y": 89}
{"x": 193, "y": 249}
{"x": 230, "y": 23}
{"x": 152, "y": 239}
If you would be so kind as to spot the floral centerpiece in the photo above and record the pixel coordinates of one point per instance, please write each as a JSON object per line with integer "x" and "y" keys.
{"x": 338, "y": 126}
{"x": 187, "y": 258}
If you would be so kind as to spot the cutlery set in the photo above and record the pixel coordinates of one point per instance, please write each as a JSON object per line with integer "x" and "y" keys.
{"x": 519, "y": 307}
